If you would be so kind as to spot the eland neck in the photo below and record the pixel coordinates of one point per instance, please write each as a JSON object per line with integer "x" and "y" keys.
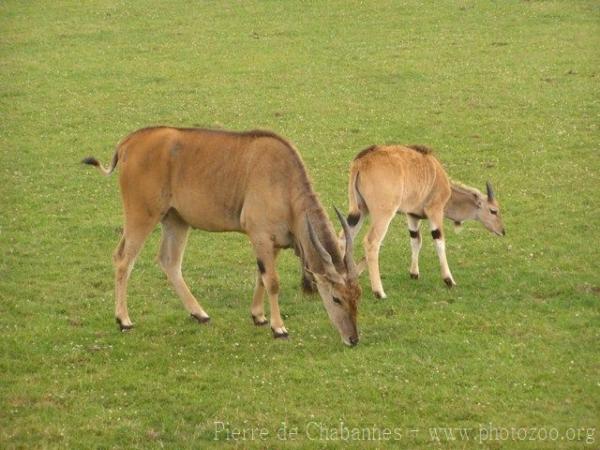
{"x": 309, "y": 207}
{"x": 462, "y": 204}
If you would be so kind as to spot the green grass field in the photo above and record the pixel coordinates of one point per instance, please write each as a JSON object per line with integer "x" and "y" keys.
{"x": 506, "y": 91}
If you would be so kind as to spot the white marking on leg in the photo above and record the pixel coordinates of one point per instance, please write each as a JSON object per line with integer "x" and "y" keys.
{"x": 415, "y": 244}
{"x": 440, "y": 246}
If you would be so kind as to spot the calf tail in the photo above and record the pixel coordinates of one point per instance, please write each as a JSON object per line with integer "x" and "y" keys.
{"x": 357, "y": 208}
{"x": 105, "y": 171}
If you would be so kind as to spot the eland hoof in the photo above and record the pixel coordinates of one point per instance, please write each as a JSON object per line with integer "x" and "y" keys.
{"x": 259, "y": 322}
{"x": 200, "y": 319}
{"x": 414, "y": 276}
{"x": 280, "y": 333}
{"x": 379, "y": 295}
{"x": 123, "y": 327}
{"x": 449, "y": 282}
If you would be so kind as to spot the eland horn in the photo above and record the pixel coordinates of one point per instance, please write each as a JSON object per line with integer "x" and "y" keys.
{"x": 348, "y": 259}
{"x": 490, "y": 191}
{"x": 325, "y": 256}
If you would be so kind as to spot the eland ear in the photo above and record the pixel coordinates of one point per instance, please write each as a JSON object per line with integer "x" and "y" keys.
{"x": 328, "y": 278}
{"x": 319, "y": 278}
{"x": 348, "y": 259}
{"x": 332, "y": 277}
{"x": 477, "y": 198}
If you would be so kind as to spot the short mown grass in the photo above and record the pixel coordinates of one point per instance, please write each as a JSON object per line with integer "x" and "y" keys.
{"x": 505, "y": 91}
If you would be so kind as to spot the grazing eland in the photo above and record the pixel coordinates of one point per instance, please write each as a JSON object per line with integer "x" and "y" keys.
{"x": 389, "y": 180}
{"x": 251, "y": 182}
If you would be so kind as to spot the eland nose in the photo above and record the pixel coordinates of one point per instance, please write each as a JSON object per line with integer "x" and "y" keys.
{"x": 503, "y": 232}
{"x": 353, "y": 340}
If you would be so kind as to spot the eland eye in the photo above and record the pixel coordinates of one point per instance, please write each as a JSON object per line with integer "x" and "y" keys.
{"x": 337, "y": 301}
{"x": 494, "y": 211}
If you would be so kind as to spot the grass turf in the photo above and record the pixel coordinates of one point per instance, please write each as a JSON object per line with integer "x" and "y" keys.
{"x": 506, "y": 91}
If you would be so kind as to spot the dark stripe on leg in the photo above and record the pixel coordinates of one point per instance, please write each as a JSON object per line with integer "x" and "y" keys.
{"x": 261, "y": 266}
{"x": 414, "y": 234}
{"x": 436, "y": 234}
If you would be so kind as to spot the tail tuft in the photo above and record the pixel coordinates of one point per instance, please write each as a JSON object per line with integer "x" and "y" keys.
{"x": 353, "y": 218}
{"x": 91, "y": 161}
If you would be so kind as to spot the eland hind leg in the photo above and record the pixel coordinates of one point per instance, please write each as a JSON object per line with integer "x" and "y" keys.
{"x": 380, "y": 221}
{"x": 414, "y": 225}
{"x": 172, "y": 246}
{"x": 134, "y": 234}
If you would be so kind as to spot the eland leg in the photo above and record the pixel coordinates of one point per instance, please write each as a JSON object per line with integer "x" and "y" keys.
{"x": 414, "y": 225}
{"x": 437, "y": 232}
{"x": 174, "y": 238}
{"x": 372, "y": 244}
{"x": 257, "y": 311}
{"x": 134, "y": 234}
{"x": 266, "y": 254}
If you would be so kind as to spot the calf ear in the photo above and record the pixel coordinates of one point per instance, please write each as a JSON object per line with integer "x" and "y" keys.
{"x": 478, "y": 201}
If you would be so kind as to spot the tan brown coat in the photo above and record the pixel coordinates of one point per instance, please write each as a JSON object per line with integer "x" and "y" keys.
{"x": 252, "y": 182}
{"x": 388, "y": 180}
